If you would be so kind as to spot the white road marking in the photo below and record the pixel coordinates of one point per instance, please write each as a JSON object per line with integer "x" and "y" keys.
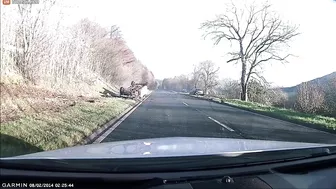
{"x": 221, "y": 124}
{"x": 185, "y": 104}
{"x": 109, "y": 131}
{"x": 200, "y": 111}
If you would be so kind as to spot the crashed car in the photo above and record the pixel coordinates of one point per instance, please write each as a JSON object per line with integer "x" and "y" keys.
{"x": 197, "y": 92}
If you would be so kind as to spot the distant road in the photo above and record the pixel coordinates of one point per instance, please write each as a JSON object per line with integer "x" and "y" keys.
{"x": 169, "y": 114}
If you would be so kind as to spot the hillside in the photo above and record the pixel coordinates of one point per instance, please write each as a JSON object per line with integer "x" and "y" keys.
{"x": 320, "y": 81}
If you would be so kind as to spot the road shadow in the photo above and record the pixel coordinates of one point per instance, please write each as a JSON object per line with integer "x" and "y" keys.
{"x": 11, "y": 146}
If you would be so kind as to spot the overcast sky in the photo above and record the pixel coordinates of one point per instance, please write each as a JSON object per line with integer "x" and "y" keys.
{"x": 165, "y": 35}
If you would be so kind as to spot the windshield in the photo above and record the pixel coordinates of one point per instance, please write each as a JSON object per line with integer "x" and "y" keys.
{"x": 144, "y": 78}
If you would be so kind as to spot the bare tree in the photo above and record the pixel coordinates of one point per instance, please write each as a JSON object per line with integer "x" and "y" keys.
{"x": 229, "y": 89}
{"x": 177, "y": 83}
{"x": 32, "y": 40}
{"x": 257, "y": 35}
{"x": 258, "y": 92}
{"x": 330, "y": 96}
{"x": 183, "y": 81}
{"x": 310, "y": 98}
{"x": 208, "y": 75}
{"x": 41, "y": 49}
{"x": 279, "y": 98}
{"x": 196, "y": 75}
{"x": 263, "y": 93}
{"x": 8, "y": 48}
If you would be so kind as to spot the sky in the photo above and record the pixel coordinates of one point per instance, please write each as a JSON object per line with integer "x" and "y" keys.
{"x": 165, "y": 35}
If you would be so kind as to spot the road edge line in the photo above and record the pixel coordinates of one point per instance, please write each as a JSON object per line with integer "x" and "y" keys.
{"x": 107, "y": 126}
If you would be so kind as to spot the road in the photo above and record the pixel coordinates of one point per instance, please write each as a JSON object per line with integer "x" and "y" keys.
{"x": 169, "y": 114}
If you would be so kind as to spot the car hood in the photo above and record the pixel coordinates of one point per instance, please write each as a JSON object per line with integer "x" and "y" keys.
{"x": 163, "y": 147}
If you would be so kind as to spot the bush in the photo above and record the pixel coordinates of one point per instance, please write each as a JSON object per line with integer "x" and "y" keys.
{"x": 229, "y": 89}
{"x": 263, "y": 93}
{"x": 310, "y": 98}
{"x": 330, "y": 97}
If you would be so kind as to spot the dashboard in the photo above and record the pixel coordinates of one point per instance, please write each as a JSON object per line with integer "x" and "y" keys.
{"x": 312, "y": 173}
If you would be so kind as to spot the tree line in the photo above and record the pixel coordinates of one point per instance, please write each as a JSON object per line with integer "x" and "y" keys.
{"x": 38, "y": 47}
{"x": 309, "y": 97}
{"x": 204, "y": 76}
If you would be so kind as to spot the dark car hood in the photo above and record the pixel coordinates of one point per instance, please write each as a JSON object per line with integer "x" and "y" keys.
{"x": 163, "y": 147}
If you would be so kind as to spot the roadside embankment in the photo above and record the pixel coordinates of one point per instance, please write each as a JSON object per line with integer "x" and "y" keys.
{"x": 34, "y": 119}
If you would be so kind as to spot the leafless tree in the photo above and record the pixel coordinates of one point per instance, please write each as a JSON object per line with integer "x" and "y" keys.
{"x": 195, "y": 75}
{"x": 41, "y": 49}
{"x": 330, "y": 96}
{"x": 208, "y": 75}
{"x": 229, "y": 89}
{"x": 32, "y": 39}
{"x": 264, "y": 93}
{"x": 184, "y": 82}
{"x": 310, "y": 98}
{"x": 279, "y": 98}
{"x": 8, "y": 48}
{"x": 178, "y": 83}
{"x": 258, "y": 92}
{"x": 257, "y": 36}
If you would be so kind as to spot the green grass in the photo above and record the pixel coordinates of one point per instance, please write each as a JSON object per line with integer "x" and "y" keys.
{"x": 50, "y": 131}
{"x": 328, "y": 123}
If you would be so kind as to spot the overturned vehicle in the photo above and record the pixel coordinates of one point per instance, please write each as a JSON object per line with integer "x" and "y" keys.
{"x": 136, "y": 90}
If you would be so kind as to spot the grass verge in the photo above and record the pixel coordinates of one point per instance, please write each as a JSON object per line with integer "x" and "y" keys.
{"x": 54, "y": 130}
{"x": 316, "y": 121}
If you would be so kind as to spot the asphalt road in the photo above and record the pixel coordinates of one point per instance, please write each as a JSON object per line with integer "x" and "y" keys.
{"x": 169, "y": 114}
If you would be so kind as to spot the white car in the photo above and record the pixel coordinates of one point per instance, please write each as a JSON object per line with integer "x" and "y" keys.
{"x": 197, "y": 92}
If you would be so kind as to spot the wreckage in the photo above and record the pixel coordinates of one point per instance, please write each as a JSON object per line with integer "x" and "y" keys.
{"x": 136, "y": 90}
